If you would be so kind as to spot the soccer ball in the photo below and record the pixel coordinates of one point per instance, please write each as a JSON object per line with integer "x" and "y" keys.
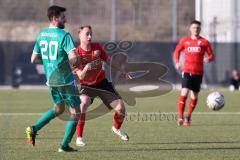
{"x": 215, "y": 101}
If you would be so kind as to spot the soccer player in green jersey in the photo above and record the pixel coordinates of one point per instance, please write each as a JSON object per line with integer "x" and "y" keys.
{"x": 54, "y": 48}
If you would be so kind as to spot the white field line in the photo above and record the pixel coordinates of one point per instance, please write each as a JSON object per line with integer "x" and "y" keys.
{"x": 24, "y": 87}
{"x": 131, "y": 113}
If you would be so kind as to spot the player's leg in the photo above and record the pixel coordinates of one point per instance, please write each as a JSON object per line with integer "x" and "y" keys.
{"x": 72, "y": 100}
{"x": 48, "y": 116}
{"x": 186, "y": 82}
{"x": 69, "y": 130}
{"x": 113, "y": 100}
{"x": 181, "y": 105}
{"x": 195, "y": 88}
{"x": 119, "y": 115}
{"x": 192, "y": 105}
{"x": 85, "y": 102}
{"x": 31, "y": 131}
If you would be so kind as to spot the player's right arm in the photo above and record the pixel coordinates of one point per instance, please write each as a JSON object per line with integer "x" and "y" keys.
{"x": 82, "y": 73}
{"x": 36, "y": 57}
{"x": 177, "y": 53}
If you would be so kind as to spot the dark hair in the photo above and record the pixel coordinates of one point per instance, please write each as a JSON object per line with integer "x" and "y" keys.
{"x": 196, "y": 22}
{"x": 54, "y": 11}
{"x": 84, "y": 26}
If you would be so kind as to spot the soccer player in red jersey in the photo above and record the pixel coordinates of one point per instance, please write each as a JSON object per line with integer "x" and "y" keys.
{"x": 194, "y": 48}
{"x": 93, "y": 83}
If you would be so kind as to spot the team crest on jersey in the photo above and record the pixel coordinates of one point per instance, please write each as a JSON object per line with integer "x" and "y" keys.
{"x": 199, "y": 42}
{"x": 96, "y": 53}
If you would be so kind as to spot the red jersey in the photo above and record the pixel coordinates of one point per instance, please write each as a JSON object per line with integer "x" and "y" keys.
{"x": 194, "y": 50}
{"x": 96, "y": 56}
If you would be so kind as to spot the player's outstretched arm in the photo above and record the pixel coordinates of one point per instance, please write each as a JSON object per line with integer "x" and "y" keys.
{"x": 123, "y": 71}
{"x": 36, "y": 58}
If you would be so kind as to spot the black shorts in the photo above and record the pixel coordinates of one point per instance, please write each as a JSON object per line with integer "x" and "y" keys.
{"x": 192, "y": 82}
{"x": 104, "y": 90}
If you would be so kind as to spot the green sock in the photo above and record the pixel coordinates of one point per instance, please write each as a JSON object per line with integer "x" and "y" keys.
{"x": 69, "y": 132}
{"x": 44, "y": 119}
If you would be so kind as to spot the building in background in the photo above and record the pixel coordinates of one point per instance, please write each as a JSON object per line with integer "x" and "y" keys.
{"x": 220, "y": 25}
{"x": 220, "y": 19}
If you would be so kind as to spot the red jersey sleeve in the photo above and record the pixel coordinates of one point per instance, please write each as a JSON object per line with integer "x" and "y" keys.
{"x": 104, "y": 55}
{"x": 178, "y": 50}
{"x": 209, "y": 51}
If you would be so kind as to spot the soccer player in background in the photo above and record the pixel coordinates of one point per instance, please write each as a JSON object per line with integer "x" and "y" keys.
{"x": 92, "y": 78}
{"x": 194, "y": 48}
{"x": 54, "y": 48}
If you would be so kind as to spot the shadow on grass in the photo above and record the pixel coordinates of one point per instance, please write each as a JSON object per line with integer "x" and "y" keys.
{"x": 130, "y": 143}
{"x": 162, "y": 149}
{"x": 196, "y": 142}
{"x": 215, "y": 125}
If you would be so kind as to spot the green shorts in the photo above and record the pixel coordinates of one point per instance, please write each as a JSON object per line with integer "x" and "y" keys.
{"x": 68, "y": 94}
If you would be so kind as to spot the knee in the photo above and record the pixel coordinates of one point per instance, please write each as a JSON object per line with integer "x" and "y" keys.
{"x": 184, "y": 92}
{"x": 74, "y": 113}
{"x": 194, "y": 96}
{"x": 59, "y": 109}
{"x": 85, "y": 102}
{"x": 120, "y": 108}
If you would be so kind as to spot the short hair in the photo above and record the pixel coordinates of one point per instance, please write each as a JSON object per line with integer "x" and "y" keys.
{"x": 55, "y": 11}
{"x": 195, "y": 22}
{"x": 84, "y": 26}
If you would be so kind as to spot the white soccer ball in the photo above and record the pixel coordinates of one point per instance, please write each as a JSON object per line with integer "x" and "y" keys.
{"x": 215, "y": 101}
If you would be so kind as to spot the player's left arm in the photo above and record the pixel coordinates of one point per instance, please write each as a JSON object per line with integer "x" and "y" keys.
{"x": 69, "y": 47}
{"x": 74, "y": 59}
{"x": 209, "y": 52}
{"x": 105, "y": 57}
{"x": 116, "y": 67}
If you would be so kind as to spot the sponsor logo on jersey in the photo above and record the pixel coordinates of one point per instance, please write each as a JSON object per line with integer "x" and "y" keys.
{"x": 194, "y": 49}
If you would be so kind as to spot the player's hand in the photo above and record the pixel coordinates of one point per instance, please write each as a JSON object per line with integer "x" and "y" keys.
{"x": 206, "y": 59}
{"x": 177, "y": 66}
{"x": 88, "y": 66}
{"x": 128, "y": 76}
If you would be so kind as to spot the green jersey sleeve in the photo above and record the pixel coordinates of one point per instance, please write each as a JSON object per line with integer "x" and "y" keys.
{"x": 36, "y": 49}
{"x": 67, "y": 43}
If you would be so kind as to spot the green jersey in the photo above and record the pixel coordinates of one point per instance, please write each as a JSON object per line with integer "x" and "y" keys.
{"x": 54, "y": 44}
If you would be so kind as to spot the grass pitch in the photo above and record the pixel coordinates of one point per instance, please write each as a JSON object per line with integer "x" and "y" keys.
{"x": 151, "y": 126}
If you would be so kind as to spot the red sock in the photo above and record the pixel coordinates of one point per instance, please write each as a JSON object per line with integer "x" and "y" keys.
{"x": 118, "y": 120}
{"x": 181, "y": 106}
{"x": 192, "y": 105}
{"x": 80, "y": 125}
